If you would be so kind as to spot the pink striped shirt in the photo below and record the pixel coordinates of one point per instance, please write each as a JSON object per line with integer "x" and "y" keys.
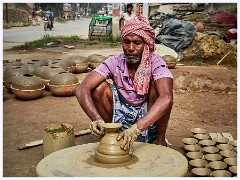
{"x": 115, "y": 68}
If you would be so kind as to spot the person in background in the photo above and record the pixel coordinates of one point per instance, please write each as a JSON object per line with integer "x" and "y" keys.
{"x": 126, "y": 16}
{"x": 49, "y": 14}
{"x": 141, "y": 95}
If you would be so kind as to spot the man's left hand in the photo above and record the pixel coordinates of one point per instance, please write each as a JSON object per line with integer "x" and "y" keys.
{"x": 129, "y": 136}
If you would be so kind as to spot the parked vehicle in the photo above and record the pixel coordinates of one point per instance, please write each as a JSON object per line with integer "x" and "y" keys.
{"x": 47, "y": 24}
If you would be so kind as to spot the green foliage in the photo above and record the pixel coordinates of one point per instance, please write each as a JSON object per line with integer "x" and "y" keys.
{"x": 41, "y": 42}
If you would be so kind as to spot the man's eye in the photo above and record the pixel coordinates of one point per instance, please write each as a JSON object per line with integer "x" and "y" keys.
{"x": 126, "y": 42}
{"x": 138, "y": 42}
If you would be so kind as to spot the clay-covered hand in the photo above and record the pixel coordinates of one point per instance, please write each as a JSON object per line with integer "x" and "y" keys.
{"x": 97, "y": 128}
{"x": 129, "y": 136}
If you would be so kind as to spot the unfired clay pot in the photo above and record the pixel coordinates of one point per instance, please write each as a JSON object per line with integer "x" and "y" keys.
{"x": 170, "y": 60}
{"x": 39, "y": 70}
{"x": 63, "y": 84}
{"x": 27, "y": 87}
{"x": 48, "y": 73}
{"x": 109, "y": 150}
{"x": 95, "y": 60}
{"x": 12, "y": 73}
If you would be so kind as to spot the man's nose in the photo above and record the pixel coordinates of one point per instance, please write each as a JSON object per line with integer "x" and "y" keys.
{"x": 131, "y": 47}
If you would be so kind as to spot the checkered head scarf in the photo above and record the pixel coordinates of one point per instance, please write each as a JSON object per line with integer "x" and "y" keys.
{"x": 141, "y": 27}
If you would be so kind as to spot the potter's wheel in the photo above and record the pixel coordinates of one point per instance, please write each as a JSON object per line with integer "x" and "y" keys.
{"x": 148, "y": 160}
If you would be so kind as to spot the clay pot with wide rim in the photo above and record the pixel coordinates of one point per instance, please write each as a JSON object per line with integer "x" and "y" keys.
{"x": 39, "y": 70}
{"x": 82, "y": 64}
{"x": 170, "y": 60}
{"x": 12, "y": 73}
{"x": 109, "y": 151}
{"x": 63, "y": 84}
{"x": 95, "y": 60}
{"x": 27, "y": 87}
{"x": 48, "y": 73}
{"x": 40, "y": 62}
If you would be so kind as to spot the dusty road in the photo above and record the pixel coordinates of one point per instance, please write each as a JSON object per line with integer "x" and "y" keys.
{"x": 18, "y": 35}
{"x": 204, "y": 97}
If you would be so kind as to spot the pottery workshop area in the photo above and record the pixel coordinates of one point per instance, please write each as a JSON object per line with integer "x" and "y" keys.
{"x": 46, "y": 133}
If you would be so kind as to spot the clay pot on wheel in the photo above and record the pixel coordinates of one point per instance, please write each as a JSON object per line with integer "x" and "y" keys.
{"x": 109, "y": 150}
{"x": 27, "y": 87}
{"x": 95, "y": 60}
{"x": 63, "y": 84}
{"x": 12, "y": 73}
{"x": 170, "y": 60}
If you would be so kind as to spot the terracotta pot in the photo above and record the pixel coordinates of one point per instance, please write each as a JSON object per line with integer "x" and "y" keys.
{"x": 170, "y": 60}
{"x": 48, "y": 73}
{"x": 12, "y": 73}
{"x": 31, "y": 66}
{"x": 27, "y": 87}
{"x": 40, "y": 62}
{"x": 95, "y": 60}
{"x": 63, "y": 84}
{"x": 81, "y": 68}
{"x": 39, "y": 70}
{"x": 109, "y": 150}
{"x": 199, "y": 27}
{"x": 79, "y": 59}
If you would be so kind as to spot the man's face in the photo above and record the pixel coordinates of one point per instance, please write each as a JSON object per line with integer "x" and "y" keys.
{"x": 133, "y": 47}
{"x": 129, "y": 9}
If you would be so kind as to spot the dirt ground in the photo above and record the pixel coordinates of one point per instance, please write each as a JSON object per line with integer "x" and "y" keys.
{"x": 204, "y": 97}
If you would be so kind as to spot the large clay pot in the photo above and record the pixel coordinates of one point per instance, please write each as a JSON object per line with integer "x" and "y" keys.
{"x": 109, "y": 151}
{"x": 12, "y": 63}
{"x": 39, "y": 70}
{"x": 63, "y": 84}
{"x": 12, "y": 73}
{"x": 48, "y": 73}
{"x": 27, "y": 87}
{"x": 95, "y": 60}
{"x": 170, "y": 60}
{"x": 82, "y": 64}
{"x": 69, "y": 66}
{"x": 40, "y": 62}
{"x": 31, "y": 66}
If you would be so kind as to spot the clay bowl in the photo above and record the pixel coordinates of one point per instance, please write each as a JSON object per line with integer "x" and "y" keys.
{"x": 206, "y": 142}
{"x": 231, "y": 161}
{"x": 81, "y": 68}
{"x": 233, "y": 143}
{"x": 213, "y": 157}
{"x": 221, "y": 173}
{"x": 198, "y": 131}
{"x": 63, "y": 90}
{"x": 228, "y": 154}
{"x": 194, "y": 155}
{"x": 198, "y": 163}
{"x": 189, "y": 141}
{"x": 201, "y": 136}
{"x": 221, "y": 140}
{"x": 233, "y": 170}
{"x": 201, "y": 172}
{"x": 223, "y": 147}
{"x": 217, "y": 165}
{"x": 170, "y": 61}
{"x": 28, "y": 94}
{"x": 192, "y": 148}
{"x": 210, "y": 150}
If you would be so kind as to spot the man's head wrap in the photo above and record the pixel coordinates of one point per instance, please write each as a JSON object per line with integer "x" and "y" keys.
{"x": 141, "y": 27}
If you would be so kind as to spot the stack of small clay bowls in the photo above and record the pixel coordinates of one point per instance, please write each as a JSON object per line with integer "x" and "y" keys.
{"x": 215, "y": 157}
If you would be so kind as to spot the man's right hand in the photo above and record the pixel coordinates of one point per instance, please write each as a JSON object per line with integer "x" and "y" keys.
{"x": 97, "y": 127}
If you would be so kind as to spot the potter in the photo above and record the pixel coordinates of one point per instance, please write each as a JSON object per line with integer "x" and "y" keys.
{"x": 141, "y": 95}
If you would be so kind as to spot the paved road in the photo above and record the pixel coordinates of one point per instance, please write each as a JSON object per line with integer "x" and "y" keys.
{"x": 19, "y": 35}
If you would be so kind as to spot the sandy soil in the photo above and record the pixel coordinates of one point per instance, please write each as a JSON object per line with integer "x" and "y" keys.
{"x": 203, "y": 97}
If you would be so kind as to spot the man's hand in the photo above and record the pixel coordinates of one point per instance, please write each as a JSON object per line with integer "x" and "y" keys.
{"x": 97, "y": 127}
{"x": 129, "y": 136}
